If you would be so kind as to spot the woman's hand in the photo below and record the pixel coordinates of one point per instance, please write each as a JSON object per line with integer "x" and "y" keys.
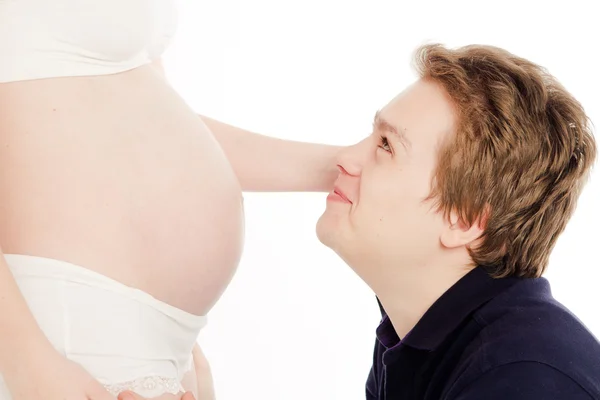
{"x": 53, "y": 377}
{"x": 134, "y": 396}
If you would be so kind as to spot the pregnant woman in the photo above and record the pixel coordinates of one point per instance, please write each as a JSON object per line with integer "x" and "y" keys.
{"x": 121, "y": 213}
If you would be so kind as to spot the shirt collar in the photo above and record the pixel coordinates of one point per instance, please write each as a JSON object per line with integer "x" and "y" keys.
{"x": 447, "y": 313}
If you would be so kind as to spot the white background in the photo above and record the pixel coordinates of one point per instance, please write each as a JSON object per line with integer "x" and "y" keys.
{"x": 296, "y": 323}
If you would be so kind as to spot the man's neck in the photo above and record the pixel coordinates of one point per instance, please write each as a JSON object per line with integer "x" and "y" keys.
{"x": 408, "y": 295}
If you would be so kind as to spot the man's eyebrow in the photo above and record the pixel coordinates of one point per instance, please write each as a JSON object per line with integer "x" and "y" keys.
{"x": 379, "y": 123}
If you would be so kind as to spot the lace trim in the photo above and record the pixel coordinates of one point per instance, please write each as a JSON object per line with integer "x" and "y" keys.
{"x": 147, "y": 386}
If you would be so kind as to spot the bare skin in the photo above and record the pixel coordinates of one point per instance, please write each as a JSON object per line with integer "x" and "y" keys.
{"x": 135, "y": 396}
{"x": 141, "y": 203}
{"x": 117, "y": 174}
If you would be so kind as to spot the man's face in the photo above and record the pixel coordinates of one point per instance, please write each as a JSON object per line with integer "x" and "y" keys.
{"x": 377, "y": 215}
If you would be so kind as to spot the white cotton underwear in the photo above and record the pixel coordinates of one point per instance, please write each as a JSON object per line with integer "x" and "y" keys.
{"x": 124, "y": 337}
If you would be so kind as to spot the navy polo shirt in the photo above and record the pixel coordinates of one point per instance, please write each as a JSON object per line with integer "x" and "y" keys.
{"x": 488, "y": 339}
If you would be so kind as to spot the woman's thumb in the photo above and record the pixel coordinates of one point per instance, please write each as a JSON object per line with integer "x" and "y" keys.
{"x": 188, "y": 396}
{"x": 129, "y": 395}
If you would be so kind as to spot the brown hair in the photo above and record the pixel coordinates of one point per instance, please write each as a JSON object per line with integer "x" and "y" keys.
{"x": 522, "y": 151}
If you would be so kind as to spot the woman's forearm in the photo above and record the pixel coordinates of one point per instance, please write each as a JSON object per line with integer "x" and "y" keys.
{"x": 264, "y": 163}
{"x": 206, "y": 389}
{"x": 20, "y": 335}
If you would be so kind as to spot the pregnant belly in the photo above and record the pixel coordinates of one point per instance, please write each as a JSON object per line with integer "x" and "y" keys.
{"x": 116, "y": 174}
{"x": 187, "y": 225}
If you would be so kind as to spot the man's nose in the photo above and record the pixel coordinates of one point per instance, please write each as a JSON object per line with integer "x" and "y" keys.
{"x": 350, "y": 160}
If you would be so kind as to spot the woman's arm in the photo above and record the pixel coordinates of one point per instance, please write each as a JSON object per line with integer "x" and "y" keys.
{"x": 30, "y": 366}
{"x": 267, "y": 164}
{"x": 264, "y": 163}
{"x": 20, "y": 336}
{"x": 206, "y": 389}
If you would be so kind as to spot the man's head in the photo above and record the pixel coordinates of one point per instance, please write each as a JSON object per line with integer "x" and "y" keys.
{"x": 480, "y": 162}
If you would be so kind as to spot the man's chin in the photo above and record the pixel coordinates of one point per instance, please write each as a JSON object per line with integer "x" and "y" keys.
{"x": 323, "y": 233}
{"x": 327, "y": 230}
{"x": 329, "y": 234}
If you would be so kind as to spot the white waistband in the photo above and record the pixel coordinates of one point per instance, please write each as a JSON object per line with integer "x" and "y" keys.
{"x": 120, "y": 335}
{"x": 26, "y": 265}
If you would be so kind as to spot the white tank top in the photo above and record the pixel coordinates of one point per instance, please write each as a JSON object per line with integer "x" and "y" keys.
{"x": 57, "y": 38}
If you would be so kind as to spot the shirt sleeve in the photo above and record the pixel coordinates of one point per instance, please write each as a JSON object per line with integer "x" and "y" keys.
{"x": 523, "y": 381}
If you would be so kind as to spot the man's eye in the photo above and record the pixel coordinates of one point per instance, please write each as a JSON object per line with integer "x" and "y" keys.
{"x": 384, "y": 144}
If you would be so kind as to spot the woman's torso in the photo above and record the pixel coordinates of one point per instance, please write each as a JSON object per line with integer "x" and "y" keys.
{"x": 115, "y": 173}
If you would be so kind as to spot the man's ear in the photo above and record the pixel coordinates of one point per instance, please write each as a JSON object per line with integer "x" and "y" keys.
{"x": 459, "y": 233}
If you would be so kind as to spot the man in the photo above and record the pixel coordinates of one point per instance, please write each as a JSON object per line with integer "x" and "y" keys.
{"x": 449, "y": 212}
